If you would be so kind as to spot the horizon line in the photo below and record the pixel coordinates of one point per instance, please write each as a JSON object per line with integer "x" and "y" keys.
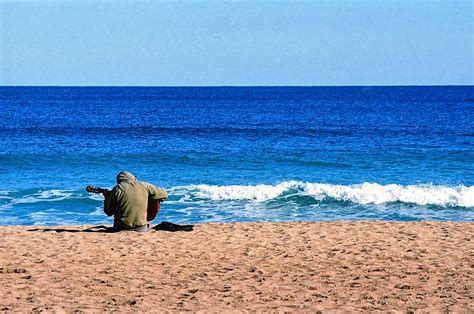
{"x": 242, "y": 86}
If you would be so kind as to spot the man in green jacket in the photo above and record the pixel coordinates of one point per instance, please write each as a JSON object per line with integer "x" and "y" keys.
{"x": 128, "y": 202}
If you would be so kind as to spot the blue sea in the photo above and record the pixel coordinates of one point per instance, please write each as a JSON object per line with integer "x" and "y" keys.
{"x": 229, "y": 154}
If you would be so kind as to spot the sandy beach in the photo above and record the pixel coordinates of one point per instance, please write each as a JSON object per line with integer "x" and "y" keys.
{"x": 309, "y": 266}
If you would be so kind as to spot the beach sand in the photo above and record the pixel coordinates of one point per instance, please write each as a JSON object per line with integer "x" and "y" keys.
{"x": 309, "y": 266}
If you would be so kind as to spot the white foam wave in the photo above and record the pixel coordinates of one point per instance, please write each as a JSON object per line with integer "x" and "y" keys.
{"x": 261, "y": 192}
{"x": 373, "y": 193}
{"x": 96, "y": 197}
{"x": 48, "y": 217}
{"x": 365, "y": 193}
{"x": 42, "y": 196}
{"x": 98, "y": 211}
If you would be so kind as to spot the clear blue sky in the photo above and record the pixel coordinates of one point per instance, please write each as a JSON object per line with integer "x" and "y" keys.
{"x": 253, "y": 43}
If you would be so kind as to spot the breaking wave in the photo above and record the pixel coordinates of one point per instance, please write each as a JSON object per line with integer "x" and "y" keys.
{"x": 290, "y": 200}
{"x": 365, "y": 193}
{"x": 41, "y": 196}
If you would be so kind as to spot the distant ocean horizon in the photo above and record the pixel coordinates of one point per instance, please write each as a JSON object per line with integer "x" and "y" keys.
{"x": 236, "y": 86}
{"x": 226, "y": 153}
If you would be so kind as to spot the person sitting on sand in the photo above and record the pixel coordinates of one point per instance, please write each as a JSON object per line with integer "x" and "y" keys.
{"x": 128, "y": 202}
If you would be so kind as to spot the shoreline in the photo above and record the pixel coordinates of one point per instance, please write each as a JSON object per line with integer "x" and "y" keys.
{"x": 258, "y": 266}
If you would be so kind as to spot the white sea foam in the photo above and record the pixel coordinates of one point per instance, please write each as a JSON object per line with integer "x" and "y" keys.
{"x": 373, "y": 193}
{"x": 48, "y": 217}
{"x": 261, "y": 192}
{"x": 42, "y": 196}
{"x": 365, "y": 193}
{"x": 96, "y": 197}
{"x": 98, "y": 211}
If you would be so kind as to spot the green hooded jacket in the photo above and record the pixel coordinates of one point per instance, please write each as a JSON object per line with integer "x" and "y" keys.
{"x": 128, "y": 201}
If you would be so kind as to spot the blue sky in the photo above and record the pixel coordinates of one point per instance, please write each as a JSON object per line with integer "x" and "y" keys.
{"x": 145, "y": 43}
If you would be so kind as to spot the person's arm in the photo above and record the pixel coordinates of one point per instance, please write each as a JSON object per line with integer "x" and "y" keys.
{"x": 155, "y": 192}
{"x": 109, "y": 202}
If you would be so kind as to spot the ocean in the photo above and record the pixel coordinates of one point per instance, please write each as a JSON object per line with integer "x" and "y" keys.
{"x": 229, "y": 154}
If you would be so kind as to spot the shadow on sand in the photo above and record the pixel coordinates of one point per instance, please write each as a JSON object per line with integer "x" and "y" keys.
{"x": 102, "y": 229}
{"x": 163, "y": 226}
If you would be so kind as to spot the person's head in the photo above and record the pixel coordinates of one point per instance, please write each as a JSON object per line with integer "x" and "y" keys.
{"x": 125, "y": 176}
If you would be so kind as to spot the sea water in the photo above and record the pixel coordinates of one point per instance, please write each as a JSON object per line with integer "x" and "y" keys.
{"x": 240, "y": 153}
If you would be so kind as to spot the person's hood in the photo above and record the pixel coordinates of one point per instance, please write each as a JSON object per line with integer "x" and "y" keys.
{"x": 125, "y": 176}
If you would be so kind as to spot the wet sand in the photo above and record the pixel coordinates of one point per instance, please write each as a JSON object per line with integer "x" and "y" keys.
{"x": 354, "y": 266}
